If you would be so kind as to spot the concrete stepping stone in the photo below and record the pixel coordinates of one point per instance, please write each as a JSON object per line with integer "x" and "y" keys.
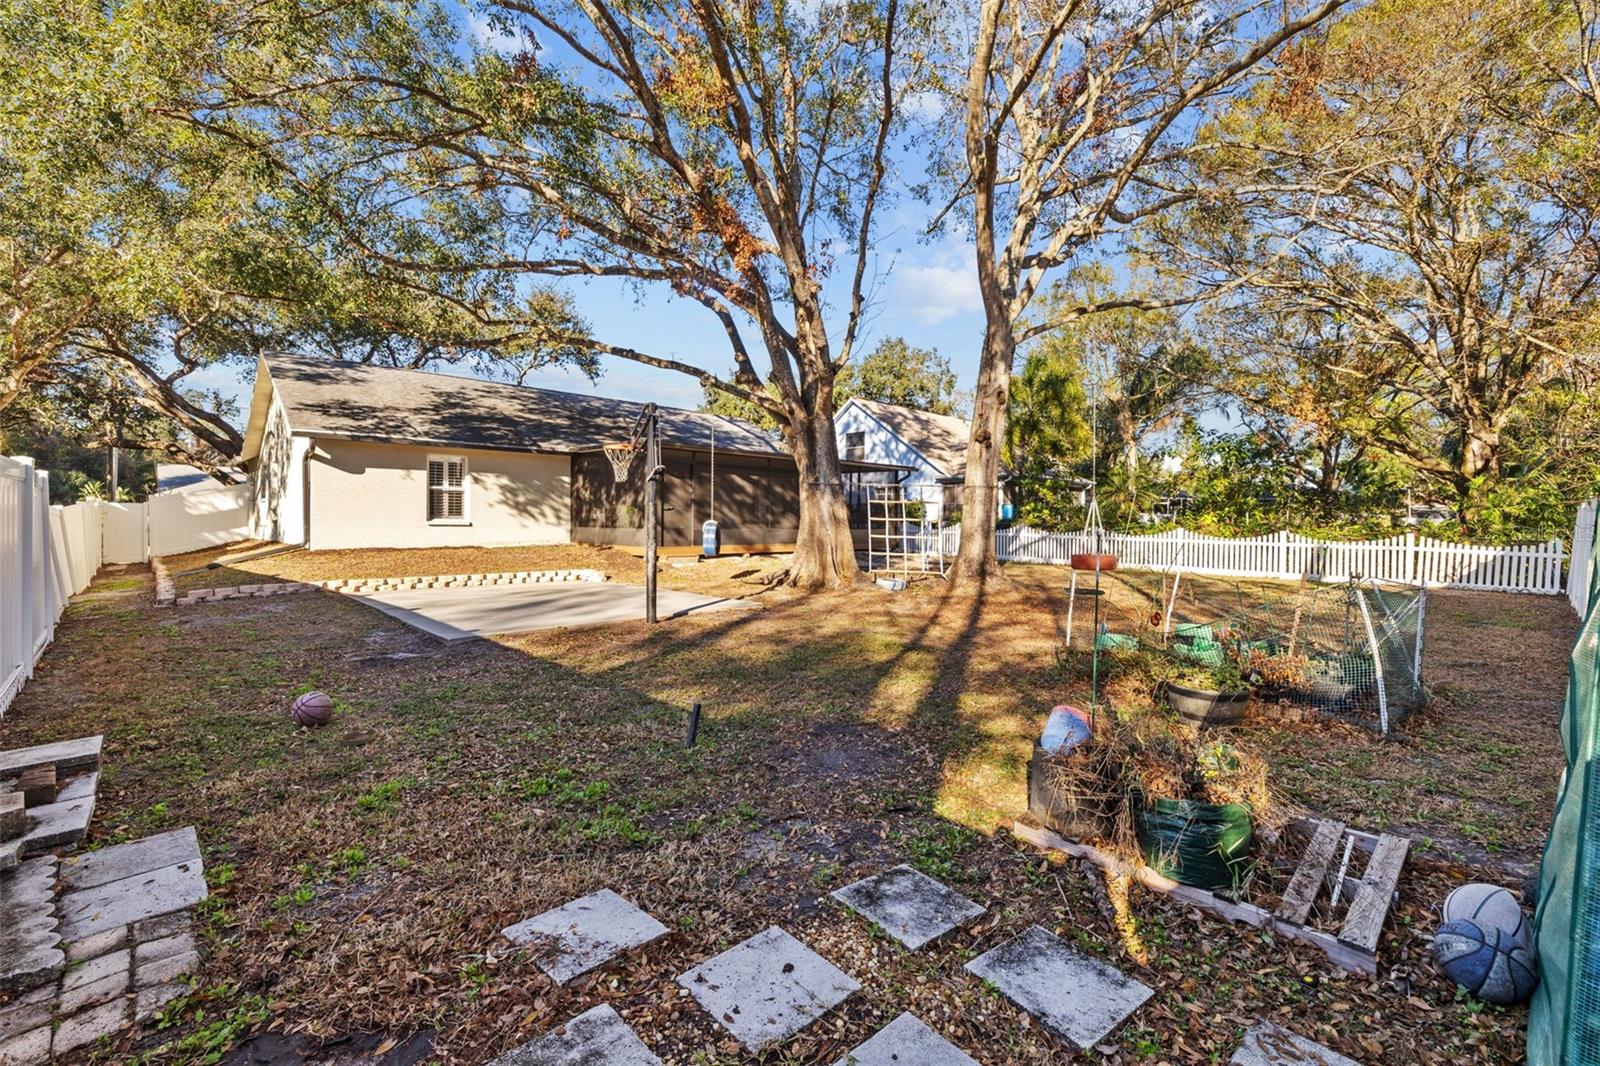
{"x": 595, "y": 1036}
{"x": 1273, "y": 1045}
{"x": 768, "y": 988}
{"x": 908, "y": 905}
{"x": 82, "y": 754}
{"x": 1078, "y": 998}
{"x": 129, "y": 860}
{"x": 586, "y": 933}
{"x": 144, "y": 890}
{"x": 906, "y": 1041}
{"x": 64, "y": 822}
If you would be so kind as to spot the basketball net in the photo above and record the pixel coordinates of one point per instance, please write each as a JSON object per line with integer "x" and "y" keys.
{"x": 621, "y": 456}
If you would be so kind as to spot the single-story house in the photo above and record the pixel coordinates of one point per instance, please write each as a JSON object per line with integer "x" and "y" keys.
{"x": 349, "y": 455}
{"x": 931, "y": 447}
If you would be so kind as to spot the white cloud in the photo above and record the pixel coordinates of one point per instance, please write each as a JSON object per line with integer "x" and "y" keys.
{"x": 924, "y": 106}
{"x": 489, "y": 37}
{"x": 942, "y": 286}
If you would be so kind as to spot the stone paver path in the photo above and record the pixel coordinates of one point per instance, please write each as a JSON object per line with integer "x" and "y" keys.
{"x": 595, "y": 1036}
{"x": 1273, "y": 1045}
{"x": 586, "y": 933}
{"x": 768, "y": 988}
{"x": 112, "y": 979}
{"x": 1078, "y": 998}
{"x": 909, "y": 905}
{"x": 28, "y": 937}
{"x": 906, "y": 1041}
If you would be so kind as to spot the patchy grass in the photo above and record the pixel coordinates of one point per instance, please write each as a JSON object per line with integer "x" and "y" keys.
{"x": 361, "y": 872}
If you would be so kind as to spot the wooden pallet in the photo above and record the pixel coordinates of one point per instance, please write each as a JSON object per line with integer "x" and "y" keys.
{"x": 1354, "y": 948}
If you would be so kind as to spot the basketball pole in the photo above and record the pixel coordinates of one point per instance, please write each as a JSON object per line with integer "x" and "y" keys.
{"x": 652, "y": 506}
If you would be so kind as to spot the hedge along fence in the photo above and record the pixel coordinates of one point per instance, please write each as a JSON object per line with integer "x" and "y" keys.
{"x": 1405, "y": 559}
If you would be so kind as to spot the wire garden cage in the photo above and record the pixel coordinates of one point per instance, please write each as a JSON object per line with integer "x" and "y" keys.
{"x": 1350, "y": 651}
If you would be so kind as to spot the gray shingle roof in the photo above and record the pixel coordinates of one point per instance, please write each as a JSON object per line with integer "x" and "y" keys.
{"x": 942, "y": 439}
{"x": 362, "y": 402}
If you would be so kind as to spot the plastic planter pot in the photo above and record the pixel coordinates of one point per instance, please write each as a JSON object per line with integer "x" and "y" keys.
{"x": 1105, "y": 562}
{"x": 1202, "y": 844}
{"x": 1207, "y": 707}
{"x": 1058, "y": 806}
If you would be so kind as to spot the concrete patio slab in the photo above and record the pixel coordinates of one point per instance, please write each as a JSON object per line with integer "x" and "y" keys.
{"x": 909, "y": 905}
{"x": 906, "y": 1041}
{"x": 1273, "y": 1045}
{"x": 1076, "y": 997}
{"x": 595, "y": 1036}
{"x": 459, "y": 614}
{"x": 585, "y": 933}
{"x": 768, "y": 988}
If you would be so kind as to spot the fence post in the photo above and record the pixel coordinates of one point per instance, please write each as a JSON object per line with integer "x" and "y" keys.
{"x": 28, "y": 523}
{"x": 1411, "y": 558}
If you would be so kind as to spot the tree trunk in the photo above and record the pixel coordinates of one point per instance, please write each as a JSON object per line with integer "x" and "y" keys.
{"x": 1480, "y": 454}
{"x": 1130, "y": 451}
{"x": 824, "y": 553}
{"x": 976, "y": 563}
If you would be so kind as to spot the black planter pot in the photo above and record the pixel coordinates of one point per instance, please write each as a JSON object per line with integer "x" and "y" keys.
{"x": 1063, "y": 809}
{"x": 1205, "y": 707}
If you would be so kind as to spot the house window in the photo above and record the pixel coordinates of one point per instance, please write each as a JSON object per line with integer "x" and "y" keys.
{"x": 855, "y": 445}
{"x": 447, "y": 489}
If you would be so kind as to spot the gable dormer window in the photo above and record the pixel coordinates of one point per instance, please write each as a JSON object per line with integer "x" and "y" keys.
{"x": 855, "y": 445}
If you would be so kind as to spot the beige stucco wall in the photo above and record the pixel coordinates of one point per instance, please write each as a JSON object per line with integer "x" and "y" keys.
{"x": 376, "y": 496}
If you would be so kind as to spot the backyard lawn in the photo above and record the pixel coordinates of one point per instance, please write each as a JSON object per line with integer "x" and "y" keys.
{"x": 361, "y": 873}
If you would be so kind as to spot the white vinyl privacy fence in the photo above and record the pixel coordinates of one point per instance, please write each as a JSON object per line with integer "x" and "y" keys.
{"x": 1405, "y": 559}
{"x": 46, "y": 555}
{"x": 50, "y": 553}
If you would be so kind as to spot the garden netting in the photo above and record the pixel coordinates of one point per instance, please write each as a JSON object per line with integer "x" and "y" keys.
{"x": 1564, "y": 1020}
{"x": 1351, "y": 651}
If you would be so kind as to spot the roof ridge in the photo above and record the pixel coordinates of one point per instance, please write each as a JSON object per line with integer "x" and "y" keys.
{"x": 337, "y": 361}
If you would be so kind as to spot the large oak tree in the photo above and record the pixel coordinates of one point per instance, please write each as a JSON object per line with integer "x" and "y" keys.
{"x": 1419, "y": 183}
{"x": 1072, "y": 118}
{"x": 727, "y": 154}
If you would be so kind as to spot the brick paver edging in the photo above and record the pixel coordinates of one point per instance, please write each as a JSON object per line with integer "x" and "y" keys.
{"x": 360, "y": 585}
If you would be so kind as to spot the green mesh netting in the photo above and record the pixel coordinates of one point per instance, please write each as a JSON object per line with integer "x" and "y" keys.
{"x": 1564, "y": 1021}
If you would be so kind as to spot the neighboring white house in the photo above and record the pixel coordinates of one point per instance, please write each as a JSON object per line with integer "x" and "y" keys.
{"x": 933, "y": 447}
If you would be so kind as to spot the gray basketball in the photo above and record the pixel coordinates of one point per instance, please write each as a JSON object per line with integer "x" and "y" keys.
{"x": 1488, "y": 905}
{"x": 1485, "y": 961}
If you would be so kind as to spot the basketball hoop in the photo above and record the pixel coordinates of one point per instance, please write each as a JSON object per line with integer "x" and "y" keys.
{"x": 621, "y": 456}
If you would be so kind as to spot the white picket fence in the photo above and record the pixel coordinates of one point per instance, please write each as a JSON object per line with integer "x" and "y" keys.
{"x": 1403, "y": 559}
{"x": 1581, "y": 571}
{"x": 50, "y": 553}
